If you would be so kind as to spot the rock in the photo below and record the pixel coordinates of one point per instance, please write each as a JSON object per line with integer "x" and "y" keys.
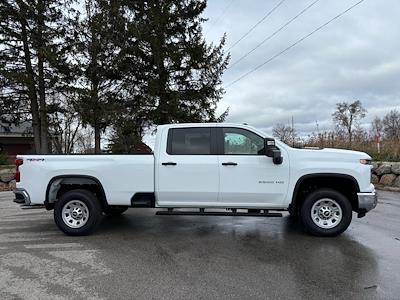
{"x": 387, "y": 179}
{"x": 374, "y": 179}
{"x": 396, "y": 168}
{"x": 7, "y": 170}
{"x": 7, "y": 177}
{"x": 12, "y": 185}
{"x": 3, "y": 187}
{"x": 397, "y": 182}
{"x": 375, "y": 165}
{"x": 383, "y": 169}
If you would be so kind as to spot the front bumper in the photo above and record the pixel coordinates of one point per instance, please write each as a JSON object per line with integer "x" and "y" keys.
{"x": 22, "y": 196}
{"x": 366, "y": 202}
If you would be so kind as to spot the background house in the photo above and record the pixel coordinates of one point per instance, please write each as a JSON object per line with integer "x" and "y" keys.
{"x": 16, "y": 139}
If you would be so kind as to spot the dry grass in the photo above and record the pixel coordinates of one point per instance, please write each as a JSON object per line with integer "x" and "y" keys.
{"x": 389, "y": 149}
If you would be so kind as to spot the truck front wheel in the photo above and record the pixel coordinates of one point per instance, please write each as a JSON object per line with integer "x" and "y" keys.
{"x": 77, "y": 212}
{"x": 326, "y": 212}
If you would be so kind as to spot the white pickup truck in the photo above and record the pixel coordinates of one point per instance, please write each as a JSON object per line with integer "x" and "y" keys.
{"x": 215, "y": 169}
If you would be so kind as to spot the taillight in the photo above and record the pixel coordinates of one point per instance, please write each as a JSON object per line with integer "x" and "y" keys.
{"x": 18, "y": 162}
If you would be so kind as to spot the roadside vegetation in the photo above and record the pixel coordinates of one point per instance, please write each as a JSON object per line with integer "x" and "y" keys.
{"x": 381, "y": 139}
{"x": 3, "y": 159}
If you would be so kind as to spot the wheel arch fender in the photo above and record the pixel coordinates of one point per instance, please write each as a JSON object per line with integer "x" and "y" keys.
{"x": 55, "y": 184}
{"x": 328, "y": 180}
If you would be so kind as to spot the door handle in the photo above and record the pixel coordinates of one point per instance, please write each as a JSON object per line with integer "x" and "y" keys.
{"x": 170, "y": 163}
{"x": 229, "y": 164}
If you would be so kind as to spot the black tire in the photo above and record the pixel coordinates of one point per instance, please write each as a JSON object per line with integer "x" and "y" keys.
{"x": 114, "y": 211}
{"x": 338, "y": 198}
{"x": 83, "y": 199}
{"x": 294, "y": 214}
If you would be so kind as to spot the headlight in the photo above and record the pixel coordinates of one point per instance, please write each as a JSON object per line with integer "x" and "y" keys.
{"x": 365, "y": 161}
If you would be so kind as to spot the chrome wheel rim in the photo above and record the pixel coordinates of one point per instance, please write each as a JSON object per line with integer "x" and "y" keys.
{"x": 326, "y": 213}
{"x": 75, "y": 214}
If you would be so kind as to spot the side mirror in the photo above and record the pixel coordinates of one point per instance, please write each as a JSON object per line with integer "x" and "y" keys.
{"x": 277, "y": 157}
{"x": 269, "y": 145}
{"x": 272, "y": 151}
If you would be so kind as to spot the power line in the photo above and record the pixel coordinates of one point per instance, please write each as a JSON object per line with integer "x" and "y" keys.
{"x": 294, "y": 44}
{"x": 274, "y": 33}
{"x": 258, "y": 23}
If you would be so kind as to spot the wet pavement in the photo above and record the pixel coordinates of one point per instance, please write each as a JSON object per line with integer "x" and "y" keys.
{"x": 143, "y": 256}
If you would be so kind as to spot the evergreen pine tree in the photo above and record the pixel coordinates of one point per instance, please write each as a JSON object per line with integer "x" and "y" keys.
{"x": 176, "y": 74}
{"x": 168, "y": 72}
{"x": 33, "y": 59}
{"x": 97, "y": 77}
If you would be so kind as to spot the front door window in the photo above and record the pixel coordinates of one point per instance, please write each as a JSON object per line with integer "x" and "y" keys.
{"x": 242, "y": 142}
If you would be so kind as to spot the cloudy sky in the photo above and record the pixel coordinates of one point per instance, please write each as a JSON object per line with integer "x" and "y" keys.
{"x": 356, "y": 57}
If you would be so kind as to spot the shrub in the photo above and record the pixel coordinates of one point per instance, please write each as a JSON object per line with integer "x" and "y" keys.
{"x": 4, "y": 158}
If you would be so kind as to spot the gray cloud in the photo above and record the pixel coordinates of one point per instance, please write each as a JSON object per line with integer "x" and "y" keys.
{"x": 356, "y": 57}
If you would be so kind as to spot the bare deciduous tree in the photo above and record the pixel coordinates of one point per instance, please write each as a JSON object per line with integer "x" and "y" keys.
{"x": 85, "y": 140}
{"x": 347, "y": 117}
{"x": 377, "y": 127}
{"x": 391, "y": 125}
{"x": 285, "y": 133}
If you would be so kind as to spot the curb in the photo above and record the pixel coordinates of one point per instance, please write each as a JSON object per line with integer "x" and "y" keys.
{"x": 386, "y": 188}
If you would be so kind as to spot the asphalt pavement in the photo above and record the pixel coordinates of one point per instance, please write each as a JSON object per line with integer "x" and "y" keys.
{"x": 142, "y": 256}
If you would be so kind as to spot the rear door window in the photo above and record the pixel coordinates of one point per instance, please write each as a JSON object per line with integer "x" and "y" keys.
{"x": 189, "y": 141}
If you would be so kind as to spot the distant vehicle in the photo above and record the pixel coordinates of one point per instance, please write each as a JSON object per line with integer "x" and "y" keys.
{"x": 214, "y": 169}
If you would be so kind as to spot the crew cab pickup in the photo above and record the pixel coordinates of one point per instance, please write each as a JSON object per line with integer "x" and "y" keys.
{"x": 207, "y": 169}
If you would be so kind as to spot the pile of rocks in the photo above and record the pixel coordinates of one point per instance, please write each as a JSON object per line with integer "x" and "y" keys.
{"x": 7, "y": 180}
{"x": 386, "y": 173}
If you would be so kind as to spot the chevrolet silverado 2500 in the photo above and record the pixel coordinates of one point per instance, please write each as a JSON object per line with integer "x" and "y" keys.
{"x": 214, "y": 169}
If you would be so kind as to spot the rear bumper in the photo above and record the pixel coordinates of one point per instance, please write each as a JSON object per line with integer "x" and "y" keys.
{"x": 22, "y": 196}
{"x": 366, "y": 202}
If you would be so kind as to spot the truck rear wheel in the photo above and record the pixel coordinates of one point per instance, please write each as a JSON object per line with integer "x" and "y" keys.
{"x": 326, "y": 212}
{"x": 77, "y": 212}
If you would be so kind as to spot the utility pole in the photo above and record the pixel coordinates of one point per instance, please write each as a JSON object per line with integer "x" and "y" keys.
{"x": 292, "y": 132}
{"x": 378, "y": 142}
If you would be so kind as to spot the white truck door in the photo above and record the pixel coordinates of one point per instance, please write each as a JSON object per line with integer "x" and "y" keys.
{"x": 248, "y": 177}
{"x": 187, "y": 170}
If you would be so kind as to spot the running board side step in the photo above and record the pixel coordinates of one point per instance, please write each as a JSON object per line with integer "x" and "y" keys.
{"x": 32, "y": 206}
{"x": 170, "y": 212}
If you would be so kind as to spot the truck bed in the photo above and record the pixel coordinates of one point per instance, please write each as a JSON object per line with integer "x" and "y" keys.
{"x": 121, "y": 175}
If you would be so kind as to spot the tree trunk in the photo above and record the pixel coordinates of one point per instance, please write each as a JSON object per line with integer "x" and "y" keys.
{"x": 30, "y": 80}
{"x": 350, "y": 138}
{"x": 97, "y": 148}
{"x": 42, "y": 89}
{"x": 94, "y": 82}
{"x": 71, "y": 142}
{"x": 163, "y": 109}
{"x": 350, "y": 130}
{"x": 96, "y": 119}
